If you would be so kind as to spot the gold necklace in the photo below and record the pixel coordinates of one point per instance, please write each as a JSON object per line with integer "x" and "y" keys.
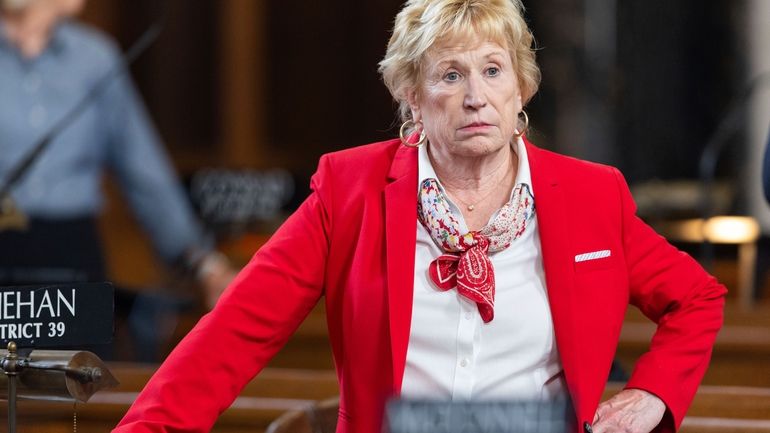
{"x": 472, "y": 206}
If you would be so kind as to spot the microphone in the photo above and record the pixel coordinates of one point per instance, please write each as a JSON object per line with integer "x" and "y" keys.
{"x": 10, "y": 216}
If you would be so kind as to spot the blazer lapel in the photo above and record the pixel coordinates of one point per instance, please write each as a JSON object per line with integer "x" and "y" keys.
{"x": 551, "y": 211}
{"x": 400, "y": 219}
{"x": 400, "y": 216}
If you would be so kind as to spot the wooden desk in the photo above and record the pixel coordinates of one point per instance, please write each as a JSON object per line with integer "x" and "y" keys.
{"x": 741, "y": 354}
{"x": 272, "y": 393}
{"x": 275, "y": 391}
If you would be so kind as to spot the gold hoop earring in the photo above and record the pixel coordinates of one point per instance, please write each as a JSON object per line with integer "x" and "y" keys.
{"x": 526, "y": 125}
{"x": 404, "y": 140}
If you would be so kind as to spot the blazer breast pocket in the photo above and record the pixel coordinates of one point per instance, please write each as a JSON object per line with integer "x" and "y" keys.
{"x": 594, "y": 260}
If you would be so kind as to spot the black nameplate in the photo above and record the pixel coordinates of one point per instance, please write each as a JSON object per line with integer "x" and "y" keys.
{"x": 405, "y": 416}
{"x": 57, "y": 315}
{"x": 237, "y": 197}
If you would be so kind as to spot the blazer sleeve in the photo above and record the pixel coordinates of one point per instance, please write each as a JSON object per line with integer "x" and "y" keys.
{"x": 253, "y": 319}
{"x": 687, "y": 304}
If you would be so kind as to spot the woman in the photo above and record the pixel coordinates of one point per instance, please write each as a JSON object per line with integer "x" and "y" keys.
{"x": 514, "y": 286}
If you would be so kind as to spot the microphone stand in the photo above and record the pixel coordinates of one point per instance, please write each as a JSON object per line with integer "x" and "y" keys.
{"x": 51, "y": 375}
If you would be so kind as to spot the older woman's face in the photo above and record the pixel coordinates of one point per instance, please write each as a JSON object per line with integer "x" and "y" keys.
{"x": 469, "y": 99}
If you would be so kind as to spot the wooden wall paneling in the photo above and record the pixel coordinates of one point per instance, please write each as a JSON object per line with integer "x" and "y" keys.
{"x": 242, "y": 81}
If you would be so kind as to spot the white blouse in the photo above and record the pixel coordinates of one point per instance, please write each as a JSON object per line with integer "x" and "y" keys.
{"x": 453, "y": 354}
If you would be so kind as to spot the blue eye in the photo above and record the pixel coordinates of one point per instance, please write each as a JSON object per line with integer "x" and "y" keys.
{"x": 493, "y": 71}
{"x": 452, "y": 76}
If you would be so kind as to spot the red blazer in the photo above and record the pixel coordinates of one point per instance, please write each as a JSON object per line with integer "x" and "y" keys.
{"x": 353, "y": 242}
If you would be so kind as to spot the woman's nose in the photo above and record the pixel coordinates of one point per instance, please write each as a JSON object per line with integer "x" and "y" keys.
{"x": 474, "y": 93}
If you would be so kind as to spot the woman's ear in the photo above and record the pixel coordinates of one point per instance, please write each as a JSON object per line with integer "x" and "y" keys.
{"x": 518, "y": 95}
{"x": 414, "y": 105}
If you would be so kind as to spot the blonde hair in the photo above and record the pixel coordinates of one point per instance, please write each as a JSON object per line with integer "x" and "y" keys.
{"x": 423, "y": 23}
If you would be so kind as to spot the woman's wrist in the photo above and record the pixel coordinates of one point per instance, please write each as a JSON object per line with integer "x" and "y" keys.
{"x": 210, "y": 264}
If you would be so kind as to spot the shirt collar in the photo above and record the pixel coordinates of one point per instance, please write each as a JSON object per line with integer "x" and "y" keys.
{"x": 56, "y": 44}
{"x": 4, "y": 42}
{"x": 425, "y": 168}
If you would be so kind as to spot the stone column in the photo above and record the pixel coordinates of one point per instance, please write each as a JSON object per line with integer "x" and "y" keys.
{"x": 758, "y": 121}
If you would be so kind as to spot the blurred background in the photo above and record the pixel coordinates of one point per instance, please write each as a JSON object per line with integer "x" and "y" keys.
{"x": 265, "y": 85}
{"x": 247, "y": 94}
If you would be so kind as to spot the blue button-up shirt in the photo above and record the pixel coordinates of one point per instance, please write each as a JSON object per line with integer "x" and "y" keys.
{"x": 113, "y": 133}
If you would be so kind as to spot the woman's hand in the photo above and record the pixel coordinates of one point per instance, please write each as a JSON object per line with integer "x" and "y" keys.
{"x": 629, "y": 411}
{"x": 214, "y": 275}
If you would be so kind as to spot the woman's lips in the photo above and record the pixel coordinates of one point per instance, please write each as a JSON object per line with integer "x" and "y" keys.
{"x": 475, "y": 127}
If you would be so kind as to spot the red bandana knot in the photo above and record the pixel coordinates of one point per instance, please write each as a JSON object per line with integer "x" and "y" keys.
{"x": 471, "y": 272}
{"x": 465, "y": 263}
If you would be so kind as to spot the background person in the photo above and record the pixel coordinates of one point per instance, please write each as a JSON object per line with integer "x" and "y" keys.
{"x": 48, "y": 62}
